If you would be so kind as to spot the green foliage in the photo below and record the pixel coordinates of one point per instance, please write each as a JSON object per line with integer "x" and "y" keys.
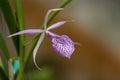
{"x": 3, "y": 75}
{"x": 10, "y": 20}
{"x": 45, "y": 74}
{"x": 4, "y": 47}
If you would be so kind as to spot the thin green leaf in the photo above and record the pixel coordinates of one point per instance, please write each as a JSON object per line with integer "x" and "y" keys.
{"x": 10, "y": 20}
{"x": 33, "y": 44}
{"x": 4, "y": 47}
{"x": 1, "y": 64}
{"x": 3, "y": 75}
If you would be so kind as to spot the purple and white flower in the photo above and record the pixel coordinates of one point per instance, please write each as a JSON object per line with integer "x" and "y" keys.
{"x": 61, "y": 44}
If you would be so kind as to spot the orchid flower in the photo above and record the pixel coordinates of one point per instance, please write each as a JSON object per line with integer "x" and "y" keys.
{"x": 61, "y": 44}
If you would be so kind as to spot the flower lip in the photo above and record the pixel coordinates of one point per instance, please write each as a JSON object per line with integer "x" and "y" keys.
{"x": 63, "y": 45}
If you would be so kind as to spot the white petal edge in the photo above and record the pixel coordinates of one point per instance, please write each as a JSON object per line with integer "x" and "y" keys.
{"x": 46, "y": 17}
{"x": 56, "y": 25}
{"x": 28, "y": 31}
{"x": 36, "y": 49}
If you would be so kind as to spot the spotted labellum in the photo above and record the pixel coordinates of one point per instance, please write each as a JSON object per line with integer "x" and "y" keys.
{"x": 63, "y": 45}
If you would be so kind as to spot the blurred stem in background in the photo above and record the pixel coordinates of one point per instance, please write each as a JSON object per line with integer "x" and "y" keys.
{"x": 10, "y": 20}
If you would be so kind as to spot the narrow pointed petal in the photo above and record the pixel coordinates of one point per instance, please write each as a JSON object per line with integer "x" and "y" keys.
{"x": 46, "y": 17}
{"x": 36, "y": 49}
{"x": 62, "y": 45}
{"x": 29, "y": 31}
{"x": 56, "y": 25}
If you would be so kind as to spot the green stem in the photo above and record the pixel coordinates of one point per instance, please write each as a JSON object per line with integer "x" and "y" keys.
{"x": 21, "y": 38}
{"x": 30, "y": 51}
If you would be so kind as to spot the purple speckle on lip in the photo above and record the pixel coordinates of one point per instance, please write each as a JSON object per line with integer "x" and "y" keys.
{"x": 62, "y": 45}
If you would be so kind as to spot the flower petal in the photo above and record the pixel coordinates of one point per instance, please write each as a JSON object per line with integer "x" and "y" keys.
{"x": 29, "y": 31}
{"x": 63, "y": 45}
{"x": 36, "y": 49}
{"x": 56, "y": 25}
{"x": 46, "y": 17}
